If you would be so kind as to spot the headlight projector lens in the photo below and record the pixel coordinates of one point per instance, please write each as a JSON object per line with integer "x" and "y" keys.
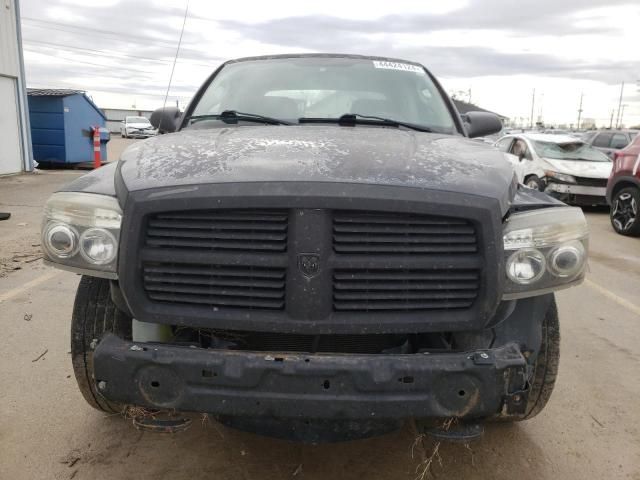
{"x": 98, "y": 246}
{"x": 526, "y": 266}
{"x": 61, "y": 241}
{"x": 567, "y": 260}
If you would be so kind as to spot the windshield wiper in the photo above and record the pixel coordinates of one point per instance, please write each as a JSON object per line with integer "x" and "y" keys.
{"x": 351, "y": 119}
{"x": 232, "y": 116}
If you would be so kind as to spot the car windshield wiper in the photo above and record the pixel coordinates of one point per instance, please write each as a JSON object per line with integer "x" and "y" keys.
{"x": 234, "y": 116}
{"x": 350, "y": 119}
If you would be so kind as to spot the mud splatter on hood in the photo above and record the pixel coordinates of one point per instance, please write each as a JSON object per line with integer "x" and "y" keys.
{"x": 381, "y": 156}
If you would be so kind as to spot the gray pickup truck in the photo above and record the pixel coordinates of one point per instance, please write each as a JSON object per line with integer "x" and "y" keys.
{"x": 315, "y": 249}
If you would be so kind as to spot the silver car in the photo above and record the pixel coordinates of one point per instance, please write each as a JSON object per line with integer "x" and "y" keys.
{"x": 608, "y": 141}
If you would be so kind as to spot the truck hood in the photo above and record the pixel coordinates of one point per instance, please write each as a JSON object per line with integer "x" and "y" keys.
{"x": 581, "y": 168}
{"x": 318, "y": 153}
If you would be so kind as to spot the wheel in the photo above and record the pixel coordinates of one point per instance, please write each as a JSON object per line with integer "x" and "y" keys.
{"x": 534, "y": 182}
{"x": 545, "y": 368}
{"x": 94, "y": 314}
{"x": 624, "y": 213}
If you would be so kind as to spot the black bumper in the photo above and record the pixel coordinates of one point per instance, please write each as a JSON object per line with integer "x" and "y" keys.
{"x": 235, "y": 383}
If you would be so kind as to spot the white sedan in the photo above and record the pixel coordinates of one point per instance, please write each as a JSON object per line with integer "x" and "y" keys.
{"x": 136, "y": 127}
{"x": 560, "y": 165}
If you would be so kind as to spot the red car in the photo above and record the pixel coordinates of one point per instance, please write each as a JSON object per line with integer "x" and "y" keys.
{"x": 623, "y": 190}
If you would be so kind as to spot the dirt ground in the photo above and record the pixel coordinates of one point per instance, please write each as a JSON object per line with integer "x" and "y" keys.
{"x": 590, "y": 429}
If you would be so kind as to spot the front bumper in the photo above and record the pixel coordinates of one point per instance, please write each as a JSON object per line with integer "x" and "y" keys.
{"x": 576, "y": 189}
{"x": 237, "y": 383}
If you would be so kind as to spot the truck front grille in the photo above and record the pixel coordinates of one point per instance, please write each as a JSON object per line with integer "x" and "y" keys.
{"x": 358, "y": 232}
{"x": 404, "y": 289}
{"x": 239, "y": 287}
{"x": 383, "y": 266}
{"x": 219, "y": 230}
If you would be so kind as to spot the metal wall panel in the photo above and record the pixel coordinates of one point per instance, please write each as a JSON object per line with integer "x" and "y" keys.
{"x": 9, "y": 64}
{"x": 10, "y": 148}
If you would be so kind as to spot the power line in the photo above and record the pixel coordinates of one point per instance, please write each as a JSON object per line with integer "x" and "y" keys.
{"x": 111, "y": 54}
{"x": 140, "y": 93}
{"x": 75, "y": 60}
{"x": 91, "y": 32}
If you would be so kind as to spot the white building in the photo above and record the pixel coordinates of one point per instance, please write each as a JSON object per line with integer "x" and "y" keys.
{"x": 15, "y": 141}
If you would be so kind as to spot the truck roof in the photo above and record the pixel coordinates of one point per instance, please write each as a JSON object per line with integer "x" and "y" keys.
{"x": 323, "y": 55}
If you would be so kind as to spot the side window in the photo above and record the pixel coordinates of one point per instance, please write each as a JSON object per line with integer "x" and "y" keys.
{"x": 602, "y": 140}
{"x": 504, "y": 144}
{"x": 619, "y": 141}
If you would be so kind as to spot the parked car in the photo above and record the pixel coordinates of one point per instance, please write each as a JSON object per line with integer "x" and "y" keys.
{"x": 608, "y": 141}
{"x": 317, "y": 252}
{"x": 623, "y": 190}
{"x": 136, "y": 127}
{"x": 560, "y": 165}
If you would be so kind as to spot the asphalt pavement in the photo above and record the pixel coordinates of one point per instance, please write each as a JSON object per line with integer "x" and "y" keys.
{"x": 590, "y": 428}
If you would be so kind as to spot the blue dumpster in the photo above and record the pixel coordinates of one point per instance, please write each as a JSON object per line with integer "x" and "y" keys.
{"x": 61, "y": 126}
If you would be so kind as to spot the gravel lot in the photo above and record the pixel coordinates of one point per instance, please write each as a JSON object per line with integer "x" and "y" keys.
{"x": 590, "y": 429}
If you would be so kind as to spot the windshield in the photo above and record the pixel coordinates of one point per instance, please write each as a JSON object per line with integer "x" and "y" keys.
{"x": 137, "y": 120}
{"x": 569, "y": 151}
{"x": 313, "y": 87}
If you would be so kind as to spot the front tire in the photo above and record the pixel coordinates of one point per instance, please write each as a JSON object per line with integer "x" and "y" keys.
{"x": 534, "y": 182}
{"x": 94, "y": 315}
{"x": 545, "y": 368}
{"x": 625, "y": 212}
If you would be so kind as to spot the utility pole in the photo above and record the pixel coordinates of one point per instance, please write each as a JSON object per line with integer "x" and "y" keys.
{"x": 622, "y": 114}
{"x": 611, "y": 120}
{"x": 580, "y": 111}
{"x": 533, "y": 102}
{"x": 619, "y": 105}
{"x": 469, "y": 94}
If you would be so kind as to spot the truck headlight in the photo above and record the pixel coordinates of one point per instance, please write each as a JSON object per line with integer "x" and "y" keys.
{"x": 80, "y": 232}
{"x": 545, "y": 250}
{"x": 560, "y": 177}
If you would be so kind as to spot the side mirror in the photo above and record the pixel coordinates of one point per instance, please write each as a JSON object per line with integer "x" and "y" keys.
{"x": 480, "y": 124}
{"x": 165, "y": 119}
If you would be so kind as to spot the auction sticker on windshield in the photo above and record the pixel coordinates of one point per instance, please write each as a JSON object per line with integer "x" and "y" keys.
{"x": 405, "y": 67}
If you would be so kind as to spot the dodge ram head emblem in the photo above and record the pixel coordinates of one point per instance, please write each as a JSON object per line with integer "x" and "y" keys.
{"x": 309, "y": 264}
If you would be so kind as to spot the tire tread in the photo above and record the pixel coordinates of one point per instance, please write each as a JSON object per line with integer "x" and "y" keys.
{"x": 94, "y": 314}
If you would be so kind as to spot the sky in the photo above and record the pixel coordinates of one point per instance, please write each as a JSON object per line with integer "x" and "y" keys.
{"x": 498, "y": 51}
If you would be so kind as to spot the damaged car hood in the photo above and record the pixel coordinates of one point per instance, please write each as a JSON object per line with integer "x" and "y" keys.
{"x": 365, "y": 155}
{"x": 581, "y": 168}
